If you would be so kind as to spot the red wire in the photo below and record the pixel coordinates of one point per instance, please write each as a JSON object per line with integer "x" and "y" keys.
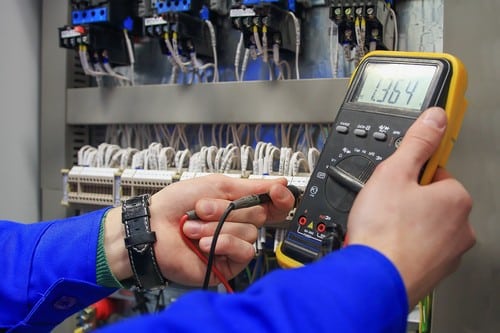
{"x": 200, "y": 255}
{"x": 346, "y": 240}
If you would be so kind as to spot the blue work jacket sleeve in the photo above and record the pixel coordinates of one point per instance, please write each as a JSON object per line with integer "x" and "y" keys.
{"x": 48, "y": 271}
{"x": 356, "y": 289}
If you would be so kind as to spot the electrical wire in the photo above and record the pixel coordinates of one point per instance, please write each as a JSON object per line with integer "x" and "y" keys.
{"x": 257, "y": 42}
{"x": 194, "y": 248}
{"x": 213, "y": 42}
{"x": 237, "y": 58}
{"x": 131, "y": 56}
{"x": 244, "y": 64}
{"x": 396, "y": 33}
{"x": 296, "y": 24}
{"x": 172, "y": 48}
{"x": 84, "y": 61}
{"x": 211, "y": 254}
{"x": 112, "y": 73}
{"x": 264, "y": 44}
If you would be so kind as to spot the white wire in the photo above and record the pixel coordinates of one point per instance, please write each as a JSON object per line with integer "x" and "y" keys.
{"x": 175, "y": 55}
{"x": 296, "y": 24}
{"x": 213, "y": 42}
{"x": 131, "y": 56}
{"x": 211, "y": 152}
{"x": 264, "y": 46}
{"x": 285, "y": 64}
{"x": 165, "y": 158}
{"x": 114, "y": 162}
{"x": 108, "y": 155}
{"x": 127, "y": 157}
{"x": 182, "y": 158}
{"x": 175, "y": 69}
{"x": 396, "y": 33}
{"x": 312, "y": 157}
{"x": 98, "y": 68}
{"x": 237, "y": 58}
{"x": 276, "y": 60}
{"x": 82, "y": 154}
{"x": 196, "y": 66}
{"x": 138, "y": 160}
{"x": 257, "y": 42}
{"x": 203, "y": 159}
{"x": 218, "y": 157}
{"x": 271, "y": 152}
{"x": 112, "y": 73}
{"x": 334, "y": 51}
{"x": 228, "y": 158}
{"x": 244, "y": 64}
{"x": 86, "y": 67}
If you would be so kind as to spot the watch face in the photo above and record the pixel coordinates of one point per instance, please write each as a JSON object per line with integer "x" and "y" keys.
{"x": 400, "y": 86}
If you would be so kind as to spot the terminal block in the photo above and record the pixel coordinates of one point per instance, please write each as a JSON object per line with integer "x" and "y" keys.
{"x": 220, "y": 7}
{"x": 98, "y": 39}
{"x": 299, "y": 181}
{"x": 374, "y": 19}
{"x": 268, "y": 16}
{"x": 111, "y": 12}
{"x": 176, "y": 6}
{"x": 92, "y": 186}
{"x": 135, "y": 182}
{"x": 185, "y": 21}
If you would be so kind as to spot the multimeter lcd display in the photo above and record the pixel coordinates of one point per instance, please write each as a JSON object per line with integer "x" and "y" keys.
{"x": 395, "y": 85}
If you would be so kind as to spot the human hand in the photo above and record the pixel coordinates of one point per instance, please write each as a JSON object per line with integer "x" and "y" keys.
{"x": 423, "y": 229}
{"x": 209, "y": 196}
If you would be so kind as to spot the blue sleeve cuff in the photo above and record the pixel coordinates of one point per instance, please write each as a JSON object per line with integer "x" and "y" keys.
{"x": 53, "y": 270}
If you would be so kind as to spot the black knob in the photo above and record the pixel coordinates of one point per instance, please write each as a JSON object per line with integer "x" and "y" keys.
{"x": 346, "y": 179}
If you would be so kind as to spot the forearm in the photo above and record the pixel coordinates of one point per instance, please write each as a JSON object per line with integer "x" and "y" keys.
{"x": 353, "y": 290}
{"x": 49, "y": 270}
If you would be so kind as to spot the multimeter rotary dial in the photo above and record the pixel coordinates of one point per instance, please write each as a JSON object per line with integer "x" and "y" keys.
{"x": 341, "y": 189}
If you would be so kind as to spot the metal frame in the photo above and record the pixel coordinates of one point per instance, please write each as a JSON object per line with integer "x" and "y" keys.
{"x": 295, "y": 101}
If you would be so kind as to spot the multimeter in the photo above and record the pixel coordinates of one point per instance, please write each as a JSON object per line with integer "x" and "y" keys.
{"x": 386, "y": 93}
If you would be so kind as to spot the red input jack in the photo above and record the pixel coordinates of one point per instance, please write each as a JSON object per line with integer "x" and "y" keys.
{"x": 302, "y": 220}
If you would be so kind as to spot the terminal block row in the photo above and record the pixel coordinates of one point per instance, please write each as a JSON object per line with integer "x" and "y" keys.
{"x": 110, "y": 186}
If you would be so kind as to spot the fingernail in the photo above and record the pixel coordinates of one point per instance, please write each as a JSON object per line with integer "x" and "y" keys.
{"x": 435, "y": 117}
{"x": 192, "y": 227}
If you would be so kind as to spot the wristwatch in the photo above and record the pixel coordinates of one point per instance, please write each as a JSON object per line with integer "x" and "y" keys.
{"x": 139, "y": 241}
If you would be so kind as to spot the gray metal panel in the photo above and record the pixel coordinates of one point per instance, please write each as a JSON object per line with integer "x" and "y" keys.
{"x": 53, "y": 101}
{"x": 20, "y": 107}
{"x": 304, "y": 101}
{"x": 469, "y": 301}
{"x": 51, "y": 204}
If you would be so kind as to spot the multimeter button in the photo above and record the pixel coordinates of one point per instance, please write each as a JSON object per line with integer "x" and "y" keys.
{"x": 360, "y": 132}
{"x": 380, "y": 136}
{"x": 342, "y": 129}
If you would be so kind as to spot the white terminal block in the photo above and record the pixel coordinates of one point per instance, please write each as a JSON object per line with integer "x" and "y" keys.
{"x": 135, "y": 182}
{"x": 187, "y": 175}
{"x": 95, "y": 186}
{"x": 299, "y": 181}
{"x": 190, "y": 175}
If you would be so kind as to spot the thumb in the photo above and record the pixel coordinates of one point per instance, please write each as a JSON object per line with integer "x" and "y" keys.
{"x": 422, "y": 139}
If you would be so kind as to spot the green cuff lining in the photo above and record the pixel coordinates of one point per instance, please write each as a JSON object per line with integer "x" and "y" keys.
{"x": 104, "y": 276}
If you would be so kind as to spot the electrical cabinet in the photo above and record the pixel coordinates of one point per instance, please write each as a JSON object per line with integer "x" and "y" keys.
{"x": 469, "y": 300}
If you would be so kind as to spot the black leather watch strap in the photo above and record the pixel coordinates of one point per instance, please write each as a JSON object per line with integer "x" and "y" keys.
{"x": 139, "y": 240}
